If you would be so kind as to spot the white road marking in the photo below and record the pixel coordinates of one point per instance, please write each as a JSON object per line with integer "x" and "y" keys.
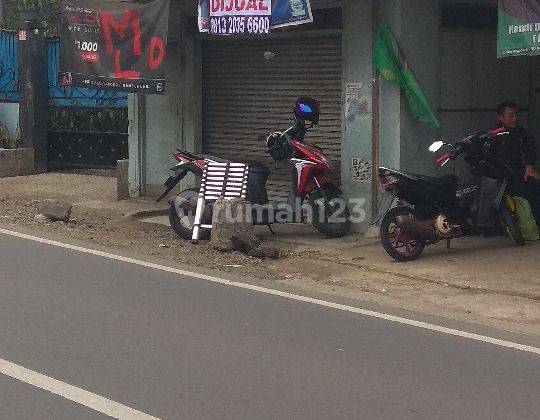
{"x": 88, "y": 399}
{"x": 299, "y": 298}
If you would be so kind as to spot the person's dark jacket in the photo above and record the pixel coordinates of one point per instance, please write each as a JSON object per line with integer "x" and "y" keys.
{"x": 518, "y": 148}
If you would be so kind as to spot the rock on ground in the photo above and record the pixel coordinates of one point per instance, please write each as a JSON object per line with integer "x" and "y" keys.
{"x": 265, "y": 252}
{"x": 245, "y": 241}
{"x": 41, "y": 218}
{"x": 230, "y": 218}
{"x": 56, "y": 210}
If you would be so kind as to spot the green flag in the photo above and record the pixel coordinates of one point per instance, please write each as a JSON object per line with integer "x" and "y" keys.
{"x": 386, "y": 62}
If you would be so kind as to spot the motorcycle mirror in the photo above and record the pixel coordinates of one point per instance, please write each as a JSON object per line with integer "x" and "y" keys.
{"x": 436, "y": 146}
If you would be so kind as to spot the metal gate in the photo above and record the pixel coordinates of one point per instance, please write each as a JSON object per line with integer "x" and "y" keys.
{"x": 87, "y": 137}
{"x": 87, "y": 127}
{"x": 249, "y": 91}
{"x": 9, "y": 67}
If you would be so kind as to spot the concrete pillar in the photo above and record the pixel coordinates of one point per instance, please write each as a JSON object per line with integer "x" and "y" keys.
{"x": 422, "y": 47}
{"x": 33, "y": 90}
{"x": 534, "y": 103}
{"x": 390, "y": 99}
{"x": 137, "y": 129}
{"x": 356, "y": 146}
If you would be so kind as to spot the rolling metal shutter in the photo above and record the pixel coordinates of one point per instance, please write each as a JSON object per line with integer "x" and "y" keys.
{"x": 247, "y": 97}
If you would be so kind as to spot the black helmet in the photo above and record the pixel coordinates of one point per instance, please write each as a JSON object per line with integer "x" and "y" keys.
{"x": 278, "y": 147}
{"x": 307, "y": 109}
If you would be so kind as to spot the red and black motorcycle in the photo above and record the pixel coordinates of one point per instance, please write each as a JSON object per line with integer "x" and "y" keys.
{"x": 313, "y": 196}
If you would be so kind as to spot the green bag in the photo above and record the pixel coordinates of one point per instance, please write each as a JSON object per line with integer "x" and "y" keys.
{"x": 526, "y": 221}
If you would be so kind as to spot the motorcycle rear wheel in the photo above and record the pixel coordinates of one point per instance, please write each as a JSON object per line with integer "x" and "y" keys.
{"x": 509, "y": 221}
{"x": 332, "y": 218}
{"x": 400, "y": 247}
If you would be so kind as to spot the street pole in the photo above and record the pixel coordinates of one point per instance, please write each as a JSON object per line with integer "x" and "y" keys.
{"x": 33, "y": 92}
{"x": 375, "y": 100}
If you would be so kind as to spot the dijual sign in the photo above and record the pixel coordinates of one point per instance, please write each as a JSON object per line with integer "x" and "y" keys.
{"x": 519, "y": 28}
{"x": 236, "y": 17}
{"x": 251, "y": 17}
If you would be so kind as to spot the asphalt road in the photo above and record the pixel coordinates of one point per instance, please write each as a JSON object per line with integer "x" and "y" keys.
{"x": 183, "y": 348}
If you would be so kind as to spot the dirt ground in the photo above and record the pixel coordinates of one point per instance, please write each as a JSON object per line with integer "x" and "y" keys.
{"x": 486, "y": 281}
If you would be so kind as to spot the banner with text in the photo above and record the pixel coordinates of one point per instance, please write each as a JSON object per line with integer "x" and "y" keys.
{"x": 234, "y": 17}
{"x": 519, "y": 28}
{"x": 114, "y": 46}
{"x": 251, "y": 17}
{"x": 290, "y": 12}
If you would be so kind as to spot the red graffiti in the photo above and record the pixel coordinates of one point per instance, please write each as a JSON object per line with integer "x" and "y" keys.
{"x": 155, "y": 53}
{"x": 108, "y": 23}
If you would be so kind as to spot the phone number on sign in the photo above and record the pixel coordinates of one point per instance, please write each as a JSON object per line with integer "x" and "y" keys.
{"x": 230, "y": 25}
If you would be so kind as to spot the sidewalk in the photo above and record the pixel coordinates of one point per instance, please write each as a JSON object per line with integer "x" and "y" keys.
{"x": 96, "y": 192}
{"x": 491, "y": 265}
{"x": 488, "y": 280}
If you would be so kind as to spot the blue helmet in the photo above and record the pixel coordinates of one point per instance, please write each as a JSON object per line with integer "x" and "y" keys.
{"x": 307, "y": 109}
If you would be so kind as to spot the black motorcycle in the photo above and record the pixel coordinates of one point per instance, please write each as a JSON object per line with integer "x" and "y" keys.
{"x": 430, "y": 209}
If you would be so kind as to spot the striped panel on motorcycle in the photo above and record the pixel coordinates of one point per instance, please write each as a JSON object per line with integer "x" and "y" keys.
{"x": 250, "y": 87}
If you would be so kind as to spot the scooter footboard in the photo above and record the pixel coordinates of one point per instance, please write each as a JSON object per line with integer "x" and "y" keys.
{"x": 488, "y": 199}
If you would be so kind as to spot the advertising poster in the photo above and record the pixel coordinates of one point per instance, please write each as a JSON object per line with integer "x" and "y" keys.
{"x": 114, "y": 46}
{"x": 519, "y": 28}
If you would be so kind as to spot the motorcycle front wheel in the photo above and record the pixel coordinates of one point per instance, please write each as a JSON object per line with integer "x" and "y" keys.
{"x": 331, "y": 216}
{"x": 400, "y": 246}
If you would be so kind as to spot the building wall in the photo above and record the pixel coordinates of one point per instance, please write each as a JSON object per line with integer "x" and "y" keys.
{"x": 457, "y": 70}
{"x": 473, "y": 82}
{"x": 421, "y": 43}
{"x": 160, "y": 124}
{"x": 157, "y": 125}
{"x": 534, "y": 115}
{"x": 462, "y": 78}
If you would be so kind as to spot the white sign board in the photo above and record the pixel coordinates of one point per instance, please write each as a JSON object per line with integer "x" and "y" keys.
{"x": 239, "y": 17}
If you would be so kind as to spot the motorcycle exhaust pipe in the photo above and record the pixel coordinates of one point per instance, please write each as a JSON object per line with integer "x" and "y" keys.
{"x": 423, "y": 230}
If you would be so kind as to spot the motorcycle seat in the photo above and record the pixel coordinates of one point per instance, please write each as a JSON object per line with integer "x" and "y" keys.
{"x": 216, "y": 159}
{"x": 444, "y": 182}
{"x": 258, "y": 167}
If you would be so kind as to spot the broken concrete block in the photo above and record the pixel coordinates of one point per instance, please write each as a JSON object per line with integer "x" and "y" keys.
{"x": 16, "y": 162}
{"x": 245, "y": 241}
{"x": 230, "y": 217}
{"x": 56, "y": 210}
{"x": 41, "y": 218}
{"x": 265, "y": 252}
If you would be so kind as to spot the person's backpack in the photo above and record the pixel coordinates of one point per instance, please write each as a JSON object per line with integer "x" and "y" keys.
{"x": 526, "y": 222}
